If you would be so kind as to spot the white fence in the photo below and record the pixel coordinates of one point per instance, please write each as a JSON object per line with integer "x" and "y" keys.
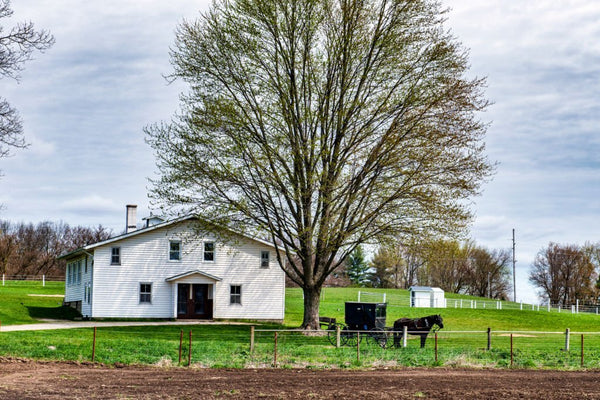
{"x": 404, "y": 301}
{"x": 41, "y": 278}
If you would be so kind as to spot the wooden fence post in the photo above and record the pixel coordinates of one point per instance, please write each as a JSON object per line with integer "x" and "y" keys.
{"x": 489, "y": 339}
{"x": 582, "y": 350}
{"x": 511, "y": 350}
{"x": 436, "y": 347}
{"x": 252, "y": 339}
{"x": 567, "y": 339}
{"x": 180, "y": 344}
{"x": 190, "y": 350}
{"x": 94, "y": 346}
{"x": 275, "y": 352}
{"x": 404, "y": 335}
{"x": 337, "y": 336}
{"x": 358, "y": 347}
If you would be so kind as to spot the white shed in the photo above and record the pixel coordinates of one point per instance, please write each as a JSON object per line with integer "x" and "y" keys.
{"x": 426, "y": 296}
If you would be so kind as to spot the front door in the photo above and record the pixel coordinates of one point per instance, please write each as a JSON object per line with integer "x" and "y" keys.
{"x": 193, "y": 301}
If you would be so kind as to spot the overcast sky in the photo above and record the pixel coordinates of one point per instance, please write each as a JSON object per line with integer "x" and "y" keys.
{"x": 85, "y": 102}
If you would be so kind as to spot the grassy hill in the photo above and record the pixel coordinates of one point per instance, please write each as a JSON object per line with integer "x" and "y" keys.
{"x": 455, "y": 319}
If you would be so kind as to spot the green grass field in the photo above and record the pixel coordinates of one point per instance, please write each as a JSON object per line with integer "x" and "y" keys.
{"x": 24, "y": 302}
{"x": 462, "y": 342}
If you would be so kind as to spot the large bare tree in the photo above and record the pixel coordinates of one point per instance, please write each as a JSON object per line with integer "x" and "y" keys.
{"x": 323, "y": 124}
{"x": 489, "y": 275}
{"x": 564, "y": 274}
{"x": 17, "y": 45}
{"x": 447, "y": 265}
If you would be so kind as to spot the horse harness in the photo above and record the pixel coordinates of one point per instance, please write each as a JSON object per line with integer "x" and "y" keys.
{"x": 427, "y": 326}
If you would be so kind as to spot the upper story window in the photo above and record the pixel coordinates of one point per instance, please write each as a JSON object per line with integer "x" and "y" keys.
{"x": 115, "y": 256}
{"x": 78, "y": 277}
{"x": 265, "y": 258}
{"x": 73, "y": 275}
{"x": 209, "y": 251}
{"x": 174, "y": 250}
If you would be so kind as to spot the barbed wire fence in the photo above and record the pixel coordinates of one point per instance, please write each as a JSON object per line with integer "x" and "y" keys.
{"x": 249, "y": 347}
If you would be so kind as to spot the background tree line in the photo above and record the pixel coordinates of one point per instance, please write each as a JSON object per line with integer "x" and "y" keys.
{"x": 562, "y": 273}
{"x": 451, "y": 265}
{"x": 565, "y": 273}
{"x": 28, "y": 249}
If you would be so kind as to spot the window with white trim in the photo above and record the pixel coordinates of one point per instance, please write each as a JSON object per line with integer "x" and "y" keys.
{"x": 174, "y": 250}
{"x": 235, "y": 294}
{"x": 265, "y": 258}
{"x": 73, "y": 273}
{"x": 209, "y": 251}
{"x": 115, "y": 256}
{"x": 145, "y": 293}
{"x": 88, "y": 292}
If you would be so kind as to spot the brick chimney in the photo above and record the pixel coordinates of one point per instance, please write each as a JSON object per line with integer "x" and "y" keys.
{"x": 130, "y": 219}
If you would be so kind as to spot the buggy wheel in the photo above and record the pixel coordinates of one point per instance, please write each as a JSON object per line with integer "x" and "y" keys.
{"x": 352, "y": 338}
{"x": 332, "y": 335}
{"x": 378, "y": 336}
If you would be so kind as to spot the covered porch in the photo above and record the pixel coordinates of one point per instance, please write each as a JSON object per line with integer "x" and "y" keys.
{"x": 193, "y": 294}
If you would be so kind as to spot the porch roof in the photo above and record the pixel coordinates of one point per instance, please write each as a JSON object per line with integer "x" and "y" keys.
{"x": 190, "y": 273}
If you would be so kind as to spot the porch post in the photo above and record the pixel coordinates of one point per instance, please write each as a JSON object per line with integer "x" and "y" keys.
{"x": 174, "y": 298}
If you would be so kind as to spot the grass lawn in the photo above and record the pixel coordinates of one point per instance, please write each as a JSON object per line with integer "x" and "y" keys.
{"x": 23, "y": 302}
{"x": 228, "y": 345}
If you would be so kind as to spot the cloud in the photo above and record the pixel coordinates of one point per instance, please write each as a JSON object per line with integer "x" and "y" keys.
{"x": 91, "y": 204}
{"x": 86, "y": 100}
{"x": 40, "y": 147}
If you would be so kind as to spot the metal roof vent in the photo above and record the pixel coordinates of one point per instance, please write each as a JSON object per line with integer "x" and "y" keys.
{"x": 152, "y": 220}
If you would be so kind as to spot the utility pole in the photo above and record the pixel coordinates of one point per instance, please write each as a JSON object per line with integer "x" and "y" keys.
{"x": 513, "y": 260}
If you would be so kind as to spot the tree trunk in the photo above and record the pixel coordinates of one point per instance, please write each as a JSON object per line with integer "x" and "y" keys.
{"x": 312, "y": 298}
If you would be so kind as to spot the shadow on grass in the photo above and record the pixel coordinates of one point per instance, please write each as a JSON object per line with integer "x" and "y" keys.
{"x": 62, "y": 312}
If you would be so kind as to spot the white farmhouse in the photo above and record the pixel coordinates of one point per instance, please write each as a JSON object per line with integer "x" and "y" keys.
{"x": 168, "y": 270}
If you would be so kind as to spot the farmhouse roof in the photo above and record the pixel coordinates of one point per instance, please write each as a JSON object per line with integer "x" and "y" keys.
{"x": 86, "y": 248}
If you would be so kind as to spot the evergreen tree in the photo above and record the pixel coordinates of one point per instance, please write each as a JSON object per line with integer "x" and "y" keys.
{"x": 357, "y": 267}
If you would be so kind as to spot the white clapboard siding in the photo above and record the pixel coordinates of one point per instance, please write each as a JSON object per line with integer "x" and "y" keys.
{"x": 144, "y": 259}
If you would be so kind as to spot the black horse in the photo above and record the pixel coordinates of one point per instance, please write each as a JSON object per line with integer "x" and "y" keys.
{"x": 417, "y": 326}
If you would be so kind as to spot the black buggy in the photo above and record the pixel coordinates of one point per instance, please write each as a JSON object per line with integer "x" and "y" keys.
{"x": 362, "y": 319}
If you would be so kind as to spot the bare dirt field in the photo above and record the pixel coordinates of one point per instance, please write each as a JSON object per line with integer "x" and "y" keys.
{"x": 22, "y": 379}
